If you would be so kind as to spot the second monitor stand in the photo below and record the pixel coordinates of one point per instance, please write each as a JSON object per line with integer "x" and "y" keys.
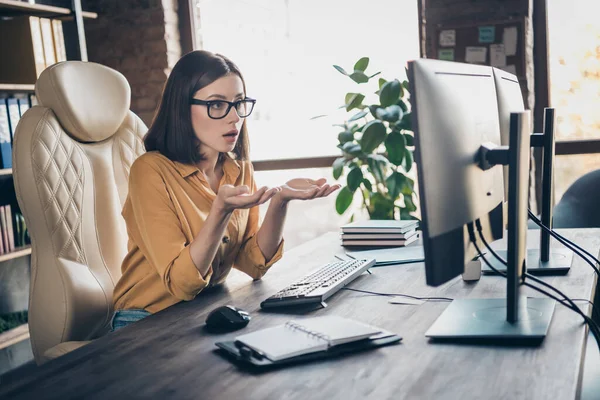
{"x": 543, "y": 260}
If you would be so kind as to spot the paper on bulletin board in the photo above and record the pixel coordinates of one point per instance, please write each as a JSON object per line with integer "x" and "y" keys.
{"x": 446, "y": 54}
{"x": 497, "y": 55}
{"x": 510, "y": 41}
{"x": 448, "y": 38}
{"x": 476, "y": 55}
{"x": 510, "y": 69}
{"x": 487, "y": 34}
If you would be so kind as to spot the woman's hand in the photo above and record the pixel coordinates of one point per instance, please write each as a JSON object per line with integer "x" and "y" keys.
{"x": 305, "y": 189}
{"x": 232, "y": 197}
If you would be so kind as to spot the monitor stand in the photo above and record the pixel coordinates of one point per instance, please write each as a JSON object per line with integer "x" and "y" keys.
{"x": 485, "y": 320}
{"x": 559, "y": 262}
{"x": 545, "y": 260}
{"x": 514, "y": 319}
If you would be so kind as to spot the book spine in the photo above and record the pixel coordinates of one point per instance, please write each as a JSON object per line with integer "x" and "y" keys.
{"x": 9, "y": 227}
{"x": 3, "y": 226}
{"x": 38, "y": 46}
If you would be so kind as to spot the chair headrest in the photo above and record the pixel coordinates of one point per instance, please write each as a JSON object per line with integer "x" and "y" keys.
{"x": 90, "y": 100}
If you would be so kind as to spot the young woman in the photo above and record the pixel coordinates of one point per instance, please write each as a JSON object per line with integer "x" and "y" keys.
{"x": 192, "y": 208}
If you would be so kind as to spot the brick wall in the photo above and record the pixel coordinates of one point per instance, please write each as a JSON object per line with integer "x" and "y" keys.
{"x": 140, "y": 39}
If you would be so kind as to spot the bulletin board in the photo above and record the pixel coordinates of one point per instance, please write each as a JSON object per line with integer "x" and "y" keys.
{"x": 498, "y": 44}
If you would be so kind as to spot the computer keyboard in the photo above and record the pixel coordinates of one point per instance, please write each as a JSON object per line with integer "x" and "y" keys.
{"x": 320, "y": 284}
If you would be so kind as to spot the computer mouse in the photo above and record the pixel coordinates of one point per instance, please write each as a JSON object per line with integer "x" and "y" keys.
{"x": 226, "y": 319}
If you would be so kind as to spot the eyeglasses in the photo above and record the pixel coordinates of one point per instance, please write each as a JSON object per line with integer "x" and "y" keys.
{"x": 218, "y": 109}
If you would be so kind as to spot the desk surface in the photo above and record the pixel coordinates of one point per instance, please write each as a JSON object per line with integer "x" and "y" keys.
{"x": 169, "y": 355}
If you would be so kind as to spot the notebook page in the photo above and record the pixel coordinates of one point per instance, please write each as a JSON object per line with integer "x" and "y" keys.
{"x": 339, "y": 330}
{"x": 281, "y": 342}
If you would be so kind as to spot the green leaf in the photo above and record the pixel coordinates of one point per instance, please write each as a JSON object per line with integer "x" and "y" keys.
{"x": 408, "y": 160}
{"x": 338, "y": 167}
{"x": 354, "y": 100}
{"x": 345, "y": 136}
{"x": 367, "y": 184}
{"x": 373, "y": 109}
{"x": 381, "y": 82}
{"x": 373, "y": 136}
{"x": 405, "y": 123}
{"x": 340, "y": 69}
{"x": 351, "y": 148}
{"x": 355, "y": 177}
{"x": 410, "y": 139}
{"x": 410, "y": 205}
{"x": 390, "y": 114}
{"x": 390, "y": 93}
{"x": 381, "y": 207}
{"x": 408, "y": 187}
{"x": 358, "y": 115}
{"x": 343, "y": 200}
{"x": 361, "y": 64}
{"x": 406, "y": 85}
{"x": 375, "y": 74}
{"x": 402, "y": 105}
{"x": 359, "y": 77}
{"x": 317, "y": 117}
{"x": 377, "y": 166}
{"x": 395, "y": 182}
{"x": 395, "y": 146}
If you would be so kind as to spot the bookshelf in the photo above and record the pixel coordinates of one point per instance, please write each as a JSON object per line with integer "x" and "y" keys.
{"x": 17, "y": 7}
{"x": 18, "y": 252}
{"x": 16, "y": 88}
{"x": 73, "y": 35}
{"x": 14, "y": 336}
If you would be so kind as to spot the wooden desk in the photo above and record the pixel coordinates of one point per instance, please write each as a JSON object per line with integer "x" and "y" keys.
{"x": 169, "y": 355}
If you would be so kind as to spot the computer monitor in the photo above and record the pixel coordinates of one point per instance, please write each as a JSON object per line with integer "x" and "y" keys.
{"x": 455, "y": 112}
{"x": 541, "y": 260}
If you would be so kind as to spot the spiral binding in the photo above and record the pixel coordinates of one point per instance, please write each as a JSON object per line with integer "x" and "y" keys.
{"x": 297, "y": 327}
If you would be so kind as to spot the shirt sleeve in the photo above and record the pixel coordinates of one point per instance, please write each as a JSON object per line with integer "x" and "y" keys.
{"x": 162, "y": 240}
{"x": 250, "y": 259}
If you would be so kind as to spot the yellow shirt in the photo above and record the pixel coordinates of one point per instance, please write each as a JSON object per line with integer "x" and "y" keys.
{"x": 165, "y": 209}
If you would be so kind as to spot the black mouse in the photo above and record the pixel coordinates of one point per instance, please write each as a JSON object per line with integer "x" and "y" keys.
{"x": 226, "y": 319}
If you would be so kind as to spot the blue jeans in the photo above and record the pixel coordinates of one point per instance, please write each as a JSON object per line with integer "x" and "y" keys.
{"x": 122, "y": 318}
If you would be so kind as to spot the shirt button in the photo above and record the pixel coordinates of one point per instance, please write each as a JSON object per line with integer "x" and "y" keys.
{"x": 225, "y": 239}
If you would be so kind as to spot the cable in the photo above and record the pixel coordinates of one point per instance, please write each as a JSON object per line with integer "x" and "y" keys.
{"x": 400, "y": 295}
{"x": 533, "y": 278}
{"x": 572, "y": 246}
{"x": 591, "y": 323}
{"x": 553, "y": 233}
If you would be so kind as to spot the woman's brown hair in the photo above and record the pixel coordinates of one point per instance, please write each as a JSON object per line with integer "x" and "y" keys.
{"x": 171, "y": 132}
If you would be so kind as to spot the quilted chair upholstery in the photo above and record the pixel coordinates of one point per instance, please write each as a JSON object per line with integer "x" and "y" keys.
{"x": 72, "y": 156}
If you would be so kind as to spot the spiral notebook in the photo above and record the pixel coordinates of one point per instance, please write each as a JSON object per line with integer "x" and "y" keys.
{"x": 295, "y": 338}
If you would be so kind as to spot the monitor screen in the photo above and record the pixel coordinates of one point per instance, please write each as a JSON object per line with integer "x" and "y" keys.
{"x": 455, "y": 111}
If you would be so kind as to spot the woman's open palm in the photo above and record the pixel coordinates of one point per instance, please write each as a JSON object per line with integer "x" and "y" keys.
{"x": 306, "y": 189}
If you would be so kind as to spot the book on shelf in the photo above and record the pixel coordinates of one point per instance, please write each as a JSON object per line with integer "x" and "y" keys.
{"x": 5, "y": 146}
{"x": 32, "y": 44}
{"x": 381, "y": 226}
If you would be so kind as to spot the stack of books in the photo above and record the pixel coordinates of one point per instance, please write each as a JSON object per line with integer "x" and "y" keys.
{"x": 380, "y": 233}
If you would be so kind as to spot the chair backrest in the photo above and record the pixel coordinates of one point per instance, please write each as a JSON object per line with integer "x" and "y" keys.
{"x": 71, "y": 160}
{"x": 578, "y": 207}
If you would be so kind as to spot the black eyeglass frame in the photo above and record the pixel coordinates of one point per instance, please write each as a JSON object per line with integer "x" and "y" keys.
{"x": 209, "y": 103}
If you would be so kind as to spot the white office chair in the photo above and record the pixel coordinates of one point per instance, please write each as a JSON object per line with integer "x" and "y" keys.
{"x": 72, "y": 155}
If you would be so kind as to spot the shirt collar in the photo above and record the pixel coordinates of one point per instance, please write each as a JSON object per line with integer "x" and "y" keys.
{"x": 231, "y": 168}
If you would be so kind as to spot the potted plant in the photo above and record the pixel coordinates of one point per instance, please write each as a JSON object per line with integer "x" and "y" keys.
{"x": 377, "y": 148}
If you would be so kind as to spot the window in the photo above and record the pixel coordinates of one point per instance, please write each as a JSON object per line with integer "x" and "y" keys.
{"x": 286, "y": 50}
{"x": 574, "y": 59}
